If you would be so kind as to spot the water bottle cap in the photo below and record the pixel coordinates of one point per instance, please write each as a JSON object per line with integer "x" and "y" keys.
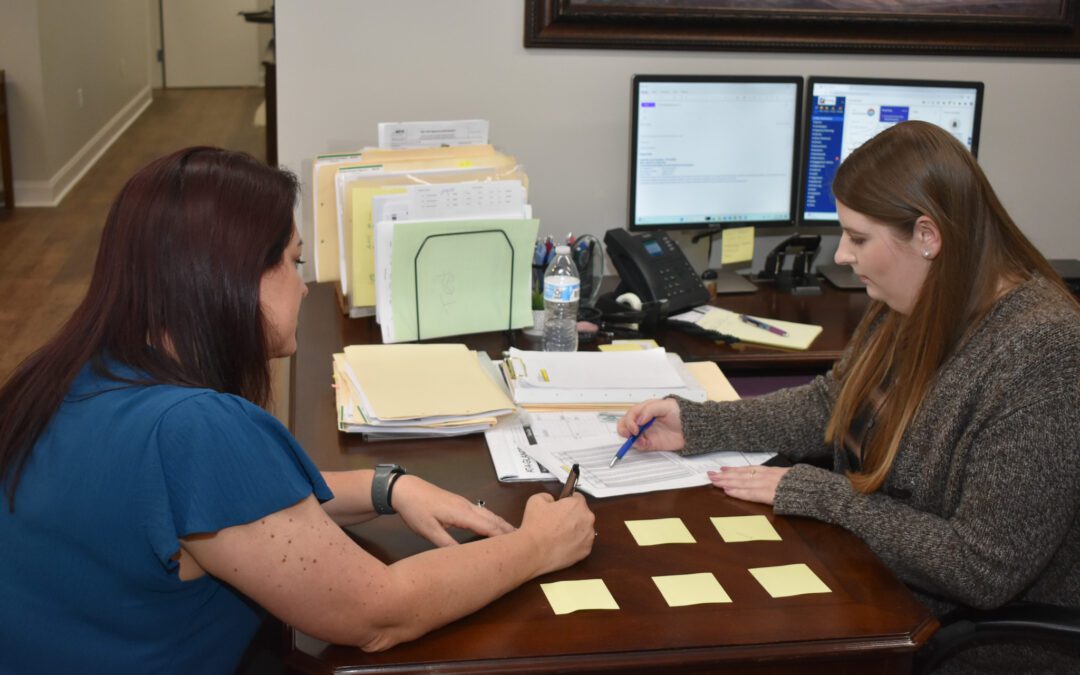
{"x": 562, "y": 250}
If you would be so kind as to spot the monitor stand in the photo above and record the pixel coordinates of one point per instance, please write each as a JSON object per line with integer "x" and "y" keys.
{"x": 729, "y": 283}
{"x": 840, "y": 276}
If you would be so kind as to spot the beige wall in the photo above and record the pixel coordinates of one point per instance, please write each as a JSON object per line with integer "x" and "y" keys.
{"x": 51, "y": 50}
{"x": 565, "y": 113}
{"x": 20, "y": 57}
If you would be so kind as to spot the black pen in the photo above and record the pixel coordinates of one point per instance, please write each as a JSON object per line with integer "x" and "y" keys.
{"x": 571, "y": 482}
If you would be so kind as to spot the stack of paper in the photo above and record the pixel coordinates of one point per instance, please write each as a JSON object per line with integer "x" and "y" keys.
{"x": 637, "y": 472}
{"x": 416, "y": 390}
{"x": 355, "y": 191}
{"x": 509, "y": 441}
{"x": 596, "y": 380}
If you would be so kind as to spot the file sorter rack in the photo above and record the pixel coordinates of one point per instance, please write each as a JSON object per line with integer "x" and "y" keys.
{"x": 416, "y": 277}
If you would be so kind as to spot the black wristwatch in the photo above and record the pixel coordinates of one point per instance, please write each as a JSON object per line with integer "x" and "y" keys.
{"x": 382, "y": 485}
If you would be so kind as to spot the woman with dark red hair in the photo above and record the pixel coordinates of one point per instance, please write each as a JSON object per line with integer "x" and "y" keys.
{"x": 153, "y": 508}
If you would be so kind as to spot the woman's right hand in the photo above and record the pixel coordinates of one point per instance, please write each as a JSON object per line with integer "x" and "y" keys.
{"x": 665, "y": 433}
{"x": 562, "y": 529}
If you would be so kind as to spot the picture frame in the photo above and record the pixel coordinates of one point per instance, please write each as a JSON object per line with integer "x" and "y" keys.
{"x": 1034, "y": 28}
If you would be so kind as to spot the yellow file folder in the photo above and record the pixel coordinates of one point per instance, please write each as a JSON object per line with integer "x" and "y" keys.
{"x": 424, "y": 381}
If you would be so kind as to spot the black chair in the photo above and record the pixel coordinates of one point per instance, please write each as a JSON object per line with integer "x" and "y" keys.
{"x": 1017, "y": 620}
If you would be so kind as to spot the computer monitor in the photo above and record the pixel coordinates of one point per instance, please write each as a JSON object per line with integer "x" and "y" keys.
{"x": 713, "y": 151}
{"x": 843, "y": 113}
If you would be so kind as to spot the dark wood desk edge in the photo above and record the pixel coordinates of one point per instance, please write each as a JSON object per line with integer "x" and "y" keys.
{"x": 807, "y": 655}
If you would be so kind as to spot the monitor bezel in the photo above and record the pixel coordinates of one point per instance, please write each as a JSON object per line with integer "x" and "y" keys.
{"x": 804, "y": 155}
{"x": 797, "y": 80}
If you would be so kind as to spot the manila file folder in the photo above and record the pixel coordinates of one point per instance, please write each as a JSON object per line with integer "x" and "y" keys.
{"x": 324, "y": 211}
{"x": 424, "y": 381}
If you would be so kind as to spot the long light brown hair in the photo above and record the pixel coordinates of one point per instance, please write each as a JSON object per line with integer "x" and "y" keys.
{"x": 911, "y": 170}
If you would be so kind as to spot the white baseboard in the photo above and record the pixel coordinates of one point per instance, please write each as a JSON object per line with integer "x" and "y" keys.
{"x": 50, "y": 192}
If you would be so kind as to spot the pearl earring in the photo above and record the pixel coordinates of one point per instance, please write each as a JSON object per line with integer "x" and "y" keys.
{"x": 926, "y": 254}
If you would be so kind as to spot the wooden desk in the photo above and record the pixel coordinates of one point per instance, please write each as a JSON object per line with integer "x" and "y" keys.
{"x": 869, "y": 623}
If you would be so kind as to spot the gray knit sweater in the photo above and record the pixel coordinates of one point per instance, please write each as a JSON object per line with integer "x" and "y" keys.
{"x": 982, "y": 504}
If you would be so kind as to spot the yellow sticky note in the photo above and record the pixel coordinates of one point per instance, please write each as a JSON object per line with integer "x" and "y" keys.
{"x": 745, "y": 528}
{"x": 628, "y": 345}
{"x": 680, "y": 590}
{"x": 570, "y": 596}
{"x": 737, "y": 245}
{"x": 660, "y": 531}
{"x": 787, "y": 580}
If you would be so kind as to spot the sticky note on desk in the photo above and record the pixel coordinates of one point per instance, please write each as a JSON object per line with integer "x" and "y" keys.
{"x": 660, "y": 531}
{"x": 745, "y": 528}
{"x": 571, "y": 596}
{"x": 786, "y": 580}
{"x": 680, "y": 590}
{"x": 628, "y": 345}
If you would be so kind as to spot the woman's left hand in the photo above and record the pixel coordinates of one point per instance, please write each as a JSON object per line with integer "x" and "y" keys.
{"x": 751, "y": 483}
{"x": 429, "y": 510}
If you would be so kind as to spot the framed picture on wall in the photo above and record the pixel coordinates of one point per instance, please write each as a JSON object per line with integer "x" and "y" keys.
{"x": 974, "y": 27}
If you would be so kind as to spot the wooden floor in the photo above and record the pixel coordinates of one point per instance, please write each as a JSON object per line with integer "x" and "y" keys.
{"x": 48, "y": 253}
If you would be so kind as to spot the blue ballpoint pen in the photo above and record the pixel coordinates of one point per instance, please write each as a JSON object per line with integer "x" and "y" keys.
{"x": 630, "y": 442}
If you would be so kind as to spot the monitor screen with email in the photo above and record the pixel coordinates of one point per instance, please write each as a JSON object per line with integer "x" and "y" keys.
{"x": 713, "y": 151}
{"x": 843, "y": 113}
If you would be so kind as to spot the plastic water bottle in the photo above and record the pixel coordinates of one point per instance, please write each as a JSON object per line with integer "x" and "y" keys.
{"x": 562, "y": 290}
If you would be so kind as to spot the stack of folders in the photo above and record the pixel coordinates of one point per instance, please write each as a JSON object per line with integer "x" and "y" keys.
{"x": 545, "y": 381}
{"x": 410, "y": 391}
{"x": 433, "y": 241}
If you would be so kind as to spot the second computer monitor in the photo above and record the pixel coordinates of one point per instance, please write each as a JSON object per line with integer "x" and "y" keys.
{"x": 713, "y": 151}
{"x": 843, "y": 113}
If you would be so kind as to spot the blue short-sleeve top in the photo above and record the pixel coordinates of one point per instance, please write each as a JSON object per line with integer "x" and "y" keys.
{"x": 87, "y": 577}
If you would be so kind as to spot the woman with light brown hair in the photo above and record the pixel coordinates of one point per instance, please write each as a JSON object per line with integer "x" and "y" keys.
{"x": 952, "y": 421}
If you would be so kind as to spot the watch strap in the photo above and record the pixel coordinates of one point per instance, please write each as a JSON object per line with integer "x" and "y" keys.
{"x": 382, "y": 485}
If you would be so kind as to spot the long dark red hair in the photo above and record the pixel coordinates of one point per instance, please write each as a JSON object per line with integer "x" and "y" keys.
{"x": 174, "y": 294}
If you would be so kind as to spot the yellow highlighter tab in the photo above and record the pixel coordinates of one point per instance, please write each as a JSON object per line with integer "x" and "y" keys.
{"x": 680, "y": 590}
{"x": 786, "y": 580}
{"x": 745, "y": 528}
{"x": 660, "y": 531}
{"x": 570, "y": 596}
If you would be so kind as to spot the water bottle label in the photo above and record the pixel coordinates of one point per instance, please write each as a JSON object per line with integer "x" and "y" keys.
{"x": 562, "y": 292}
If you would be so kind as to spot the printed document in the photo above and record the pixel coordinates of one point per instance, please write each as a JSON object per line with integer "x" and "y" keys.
{"x": 506, "y": 440}
{"x": 635, "y": 473}
{"x": 433, "y": 134}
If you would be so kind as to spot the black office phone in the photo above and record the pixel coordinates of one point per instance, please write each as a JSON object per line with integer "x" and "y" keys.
{"x": 653, "y": 267}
